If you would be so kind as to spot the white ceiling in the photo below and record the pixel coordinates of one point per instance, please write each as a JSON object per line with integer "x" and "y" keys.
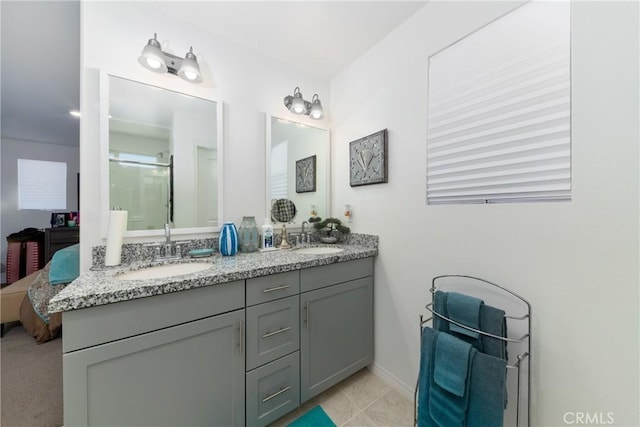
{"x": 319, "y": 38}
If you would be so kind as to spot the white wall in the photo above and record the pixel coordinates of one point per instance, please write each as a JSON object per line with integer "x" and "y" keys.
{"x": 14, "y": 220}
{"x": 576, "y": 262}
{"x": 249, "y": 84}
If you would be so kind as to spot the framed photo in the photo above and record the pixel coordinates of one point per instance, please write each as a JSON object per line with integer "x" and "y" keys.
{"x": 368, "y": 159}
{"x": 58, "y": 220}
{"x": 306, "y": 175}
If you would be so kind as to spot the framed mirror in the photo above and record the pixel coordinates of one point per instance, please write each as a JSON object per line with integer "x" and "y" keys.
{"x": 162, "y": 158}
{"x": 297, "y": 165}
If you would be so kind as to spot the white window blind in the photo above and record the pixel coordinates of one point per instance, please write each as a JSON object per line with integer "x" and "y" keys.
{"x": 279, "y": 170}
{"x": 42, "y": 185}
{"x": 499, "y": 114}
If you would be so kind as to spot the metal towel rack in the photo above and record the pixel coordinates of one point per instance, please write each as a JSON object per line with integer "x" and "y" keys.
{"x": 521, "y": 359}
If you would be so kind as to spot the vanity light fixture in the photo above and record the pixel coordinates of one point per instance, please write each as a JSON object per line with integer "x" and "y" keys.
{"x": 154, "y": 59}
{"x": 297, "y": 105}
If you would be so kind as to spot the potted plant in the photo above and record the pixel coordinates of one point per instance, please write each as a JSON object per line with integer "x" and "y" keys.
{"x": 330, "y": 230}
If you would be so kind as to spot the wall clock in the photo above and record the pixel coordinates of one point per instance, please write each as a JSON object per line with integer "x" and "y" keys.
{"x": 368, "y": 159}
{"x": 306, "y": 175}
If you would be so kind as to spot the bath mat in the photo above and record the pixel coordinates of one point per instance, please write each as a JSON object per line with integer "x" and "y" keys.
{"x": 315, "y": 417}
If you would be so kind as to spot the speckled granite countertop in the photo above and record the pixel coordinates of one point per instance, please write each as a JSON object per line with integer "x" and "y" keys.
{"x": 100, "y": 286}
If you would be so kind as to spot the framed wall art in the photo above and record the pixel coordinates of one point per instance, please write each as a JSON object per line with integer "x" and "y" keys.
{"x": 368, "y": 159}
{"x": 306, "y": 175}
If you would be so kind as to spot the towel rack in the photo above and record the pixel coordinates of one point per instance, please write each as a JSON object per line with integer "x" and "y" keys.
{"x": 522, "y": 359}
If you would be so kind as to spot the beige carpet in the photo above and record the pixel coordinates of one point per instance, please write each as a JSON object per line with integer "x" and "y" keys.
{"x": 30, "y": 381}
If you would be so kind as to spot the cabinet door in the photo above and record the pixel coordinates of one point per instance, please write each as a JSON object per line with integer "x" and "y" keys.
{"x": 191, "y": 374}
{"x": 336, "y": 334}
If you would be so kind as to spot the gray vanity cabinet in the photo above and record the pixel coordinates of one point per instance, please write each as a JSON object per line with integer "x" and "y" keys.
{"x": 232, "y": 354}
{"x": 191, "y": 374}
{"x": 181, "y": 360}
{"x": 336, "y": 335}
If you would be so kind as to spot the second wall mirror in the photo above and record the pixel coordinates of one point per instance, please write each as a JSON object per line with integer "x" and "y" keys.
{"x": 298, "y": 167}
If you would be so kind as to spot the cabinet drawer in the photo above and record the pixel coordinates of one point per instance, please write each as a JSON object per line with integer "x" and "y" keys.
{"x": 272, "y": 330}
{"x": 273, "y": 390}
{"x": 275, "y": 286}
{"x": 332, "y": 274}
{"x": 110, "y": 322}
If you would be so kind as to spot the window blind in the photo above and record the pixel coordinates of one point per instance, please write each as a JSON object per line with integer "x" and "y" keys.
{"x": 279, "y": 170}
{"x": 42, "y": 185}
{"x": 499, "y": 113}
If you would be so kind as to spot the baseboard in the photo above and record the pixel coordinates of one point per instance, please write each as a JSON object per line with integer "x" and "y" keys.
{"x": 393, "y": 381}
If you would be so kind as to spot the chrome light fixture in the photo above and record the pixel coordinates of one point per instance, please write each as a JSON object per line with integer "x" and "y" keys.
{"x": 297, "y": 105}
{"x": 154, "y": 59}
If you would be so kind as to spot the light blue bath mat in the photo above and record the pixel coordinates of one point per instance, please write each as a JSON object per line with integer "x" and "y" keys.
{"x": 315, "y": 417}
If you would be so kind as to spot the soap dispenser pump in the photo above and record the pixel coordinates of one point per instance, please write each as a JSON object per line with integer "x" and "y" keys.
{"x": 267, "y": 234}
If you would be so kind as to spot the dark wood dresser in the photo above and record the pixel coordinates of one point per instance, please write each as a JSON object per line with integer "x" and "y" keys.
{"x": 58, "y": 238}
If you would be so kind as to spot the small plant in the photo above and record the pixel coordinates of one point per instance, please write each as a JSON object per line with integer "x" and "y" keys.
{"x": 330, "y": 226}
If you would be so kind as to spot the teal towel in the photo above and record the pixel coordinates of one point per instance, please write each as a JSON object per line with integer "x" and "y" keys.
{"x": 493, "y": 321}
{"x": 445, "y": 408}
{"x": 487, "y": 391}
{"x": 65, "y": 265}
{"x": 485, "y": 397}
{"x": 424, "y": 378}
{"x": 316, "y": 417}
{"x": 451, "y": 364}
{"x": 440, "y": 307}
{"x": 465, "y": 310}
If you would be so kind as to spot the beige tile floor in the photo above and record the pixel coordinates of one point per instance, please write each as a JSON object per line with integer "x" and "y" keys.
{"x": 362, "y": 400}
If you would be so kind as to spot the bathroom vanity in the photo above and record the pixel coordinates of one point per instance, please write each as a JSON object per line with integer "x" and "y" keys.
{"x": 241, "y": 343}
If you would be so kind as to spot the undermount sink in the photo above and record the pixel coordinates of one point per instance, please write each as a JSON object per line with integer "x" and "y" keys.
{"x": 161, "y": 271}
{"x": 318, "y": 250}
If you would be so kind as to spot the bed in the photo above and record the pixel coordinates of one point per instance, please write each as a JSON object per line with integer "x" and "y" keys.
{"x": 34, "y": 315}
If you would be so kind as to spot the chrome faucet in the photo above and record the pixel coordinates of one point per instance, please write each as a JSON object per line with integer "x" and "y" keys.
{"x": 167, "y": 240}
{"x": 305, "y": 235}
{"x": 167, "y": 233}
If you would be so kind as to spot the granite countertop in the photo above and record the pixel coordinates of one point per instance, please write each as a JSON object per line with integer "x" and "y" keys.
{"x": 100, "y": 286}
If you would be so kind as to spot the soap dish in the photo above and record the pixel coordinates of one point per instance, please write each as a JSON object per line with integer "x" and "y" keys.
{"x": 200, "y": 253}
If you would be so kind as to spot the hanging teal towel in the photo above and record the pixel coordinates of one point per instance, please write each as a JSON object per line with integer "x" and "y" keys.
{"x": 438, "y": 408}
{"x": 424, "y": 378}
{"x": 449, "y": 357}
{"x": 451, "y": 364}
{"x": 487, "y": 391}
{"x": 465, "y": 310}
{"x": 493, "y": 321}
{"x": 440, "y": 307}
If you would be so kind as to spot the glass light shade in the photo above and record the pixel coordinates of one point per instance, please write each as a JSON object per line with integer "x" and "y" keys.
{"x": 297, "y": 105}
{"x": 189, "y": 69}
{"x": 152, "y": 58}
{"x": 316, "y": 110}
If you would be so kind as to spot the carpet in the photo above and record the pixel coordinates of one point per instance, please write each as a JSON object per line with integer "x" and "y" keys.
{"x": 315, "y": 417}
{"x": 30, "y": 380}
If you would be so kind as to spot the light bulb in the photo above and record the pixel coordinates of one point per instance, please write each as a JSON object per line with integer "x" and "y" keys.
{"x": 297, "y": 105}
{"x": 153, "y": 63}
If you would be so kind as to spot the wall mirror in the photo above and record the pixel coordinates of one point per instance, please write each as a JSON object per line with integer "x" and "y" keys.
{"x": 298, "y": 167}
{"x": 164, "y": 158}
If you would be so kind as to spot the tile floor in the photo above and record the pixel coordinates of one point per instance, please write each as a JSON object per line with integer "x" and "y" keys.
{"x": 362, "y": 400}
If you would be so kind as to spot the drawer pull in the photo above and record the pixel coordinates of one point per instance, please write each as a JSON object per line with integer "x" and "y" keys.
{"x": 277, "y": 393}
{"x": 279, "y": 331}
{"x": 277, "y": 288}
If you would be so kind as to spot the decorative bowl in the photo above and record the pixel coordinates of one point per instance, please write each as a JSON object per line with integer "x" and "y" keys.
{"x": 328, "y": 239}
